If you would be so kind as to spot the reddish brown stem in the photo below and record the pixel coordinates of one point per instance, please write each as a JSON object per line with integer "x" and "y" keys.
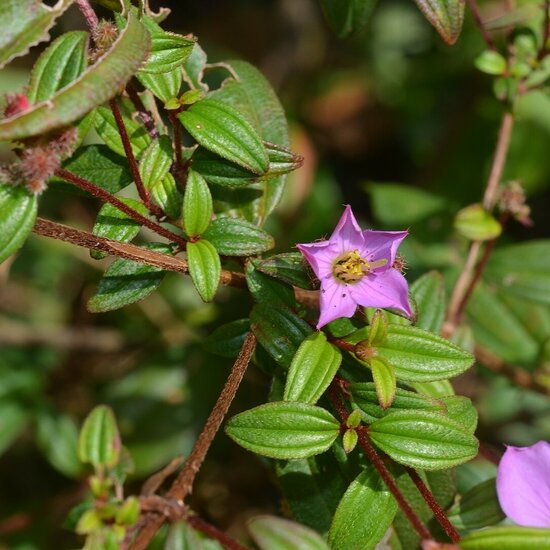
{"x": 431, "y": 501}
{"x": 180, "y": 166}
{"x": 144, "y": 115}
{"x": 105, "y": 196}
{"x": 184, "y": 482}
{"x": 386, "y": 476}
{"x": 132, "y": 162}
{"x": 88, "y": 13}
{"x": 337, "y": 401}
{"x": 214, "y": 533}
{"x": 479, "y": 22}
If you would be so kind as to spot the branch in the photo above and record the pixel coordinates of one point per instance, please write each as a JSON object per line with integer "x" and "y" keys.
{"x": 128, "y": 251}
{"x": 184, "y": 482}
{"x": 142, "y": 111}
{"x": 466, "y": 281}
{"x": 88, "y": 13}
{"x": 481, "y": 25}
{"x": 105, "y": 196}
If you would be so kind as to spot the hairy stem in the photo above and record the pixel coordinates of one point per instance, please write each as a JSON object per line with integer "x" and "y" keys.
{"x": 431, "y": 501}
{"x": 467, "y": 279}
{"x": 132, "y": 162}
{"x": 479, "y": 22}
{"x": 184, "y": 482}
{"x": 88, "y": 13}
{"x": 105, "y": 196}
{"x": 337, "y": 401}
{"x": 127, "y": 251}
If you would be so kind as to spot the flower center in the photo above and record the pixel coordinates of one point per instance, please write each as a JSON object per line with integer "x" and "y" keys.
{"x": 351, "y": 267}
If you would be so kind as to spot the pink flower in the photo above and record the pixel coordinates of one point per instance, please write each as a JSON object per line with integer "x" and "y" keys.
{"x": 356, "y": 269}
{"x": 523, "y": 484}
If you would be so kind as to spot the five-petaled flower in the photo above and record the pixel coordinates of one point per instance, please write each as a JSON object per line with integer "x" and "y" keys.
{"x": 355, "y": 268}
{"x": 523, "y": 484}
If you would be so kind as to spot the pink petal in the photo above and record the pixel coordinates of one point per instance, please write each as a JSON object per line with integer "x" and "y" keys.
{"x": 523, "y": 484}
{"x": 387, "y": 289}
{"x": 348, "y": 234}
{"x": 382, "y": 244}
{"x": 335, "y": 301}
{"x": 320, "y": 257}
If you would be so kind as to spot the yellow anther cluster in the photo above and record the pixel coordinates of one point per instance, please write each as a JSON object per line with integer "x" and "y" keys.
{"x": 350, "y": 267}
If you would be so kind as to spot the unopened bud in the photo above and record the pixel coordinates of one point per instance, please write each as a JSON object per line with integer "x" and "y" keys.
{"x": 15, "y": 104}
{"x": 512, "y": 201}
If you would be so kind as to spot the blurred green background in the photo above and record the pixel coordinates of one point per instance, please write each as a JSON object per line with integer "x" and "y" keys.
{"x": 392, "y": 105}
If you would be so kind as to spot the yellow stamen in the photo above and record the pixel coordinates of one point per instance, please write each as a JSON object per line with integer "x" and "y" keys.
{"x": 350, "y": 267}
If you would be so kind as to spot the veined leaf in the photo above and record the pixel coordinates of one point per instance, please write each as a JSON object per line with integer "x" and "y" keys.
{"x": 312, "y": 369}
{"x": 197, "y": 205}
{"x": 204, "y": 268}
{"x": 423, "y": 439}
{"x": 17, "y": 215}
{"x": 227, "y": 340}
{"x": 288, "y": 267}
{"x": 96, "y": 85}
{"x": 445, "y": 15}
{"x": 236, "y": 237}
{"x": 61, "y": 63}
{"x": 285, "y": 430}
{"x": 25, "y": 23}
{"x": 168, "y": 50}
{"x": 126, "y": 282}
{"x": 165, "y": 86}
{"x": 364, "y": 514}
{"x": 99, "y": 442}
{"x": 155, "y": 161}
{"x": 428, "y": 292}
{"x": 507, "y": 538}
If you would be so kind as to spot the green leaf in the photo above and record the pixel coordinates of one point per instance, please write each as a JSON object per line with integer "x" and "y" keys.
{"x": 383, "y": 375}
{"x": 17, "y": 216}
{"x": 445, "y": 15}
{"x": 156, "y": 161}
{"x": 461, "y": 410}
{"x": 105, "y": 126}
{"x": 477, "y": 508}
{"x": 57, "y": 438}
{"x": 312, "y": 369}
{"x": 251, "y": 94}
{"x": 347, "y": 16}
{"x": 312, "y": 496}
{"x": 222, "y": 129}
{"x": 96, "y": 85}
{"x": 99, "y": 442}
{"x": 288, "y": 267}
{"x": 96, "y": 163}
{"x": 364, "y": 514}
{"x": 165, "y": 86}
{"x": 126, "y": 282}
{"x": 268, "y": 290}
{"x": 428, "y": 292}
{"x": 13, "y": 418}
{"x": 418, "y": 355}
{"x": 476, "y": 224}
{"x": 523, "y": 270}
{"x": 204, "y": 268}
{"x": 220, "y": 171}
{"x": 197, "y": 205}
{"x": 507, "y": 538}
{"x": 235, "y": 237}
{"x": 279, "y": 331}
{"x": 193, "y": 69}
{"x": 114, "y": 224}
{"x": 25, "y": 23}
{"x": 365, "y": 397}
{"x": 423, "y": 439}
{"x": 491, "y": 62}
{"x": 273, "y": 533}
{"x": 437, "y": 388}
{"x": 378, "y": 328}
{"x": 181, "y": 536}
{"x": 168, "y": 50}
{"x": 402, "y": 205}
{"x": 228, "y": 339}
{"x": 167, "y": 195}
{"x": 349, "y": 440}
{"x": 61, "y": 63}
{"x": 285, "y": 430}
